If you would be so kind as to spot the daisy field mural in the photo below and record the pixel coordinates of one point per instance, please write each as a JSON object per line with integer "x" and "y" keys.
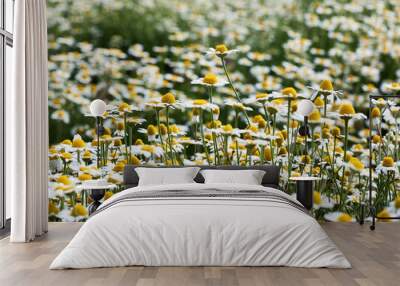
{"x": 219, "y": 83}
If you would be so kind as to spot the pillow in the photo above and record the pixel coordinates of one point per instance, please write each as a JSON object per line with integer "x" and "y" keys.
{"x": 166, "y": 176}
{"x": 248, "y": 177}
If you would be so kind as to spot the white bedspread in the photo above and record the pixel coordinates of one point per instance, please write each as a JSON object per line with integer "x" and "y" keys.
{"x": 200, "y": 231}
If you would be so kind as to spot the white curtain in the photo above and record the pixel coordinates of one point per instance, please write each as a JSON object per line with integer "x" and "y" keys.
{"x": 27, "y": 123}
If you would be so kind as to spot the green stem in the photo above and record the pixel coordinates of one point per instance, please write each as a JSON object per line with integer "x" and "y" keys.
{"x": 234, "y": 89}
{"x": 169, "y": 137}
{"x": 126, "y": 138}
{"x": 237, "y": 152}
{"x": 225, "y": 146}
{"x": 266, "y": 118}
{"x": 288, "y": 137}
{"x": 346, "y": 127}
{"x": 202, "y": 137}
{"x": 325, "y": 103}
{"x": 216, "y": 151}
{"x": 160, "y": 135}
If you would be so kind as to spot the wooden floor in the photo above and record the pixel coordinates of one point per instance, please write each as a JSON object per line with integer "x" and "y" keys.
{"x": 375, "y": 257}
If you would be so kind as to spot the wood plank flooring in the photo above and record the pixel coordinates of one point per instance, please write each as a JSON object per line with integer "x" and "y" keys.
{"x": 375, "y": 257}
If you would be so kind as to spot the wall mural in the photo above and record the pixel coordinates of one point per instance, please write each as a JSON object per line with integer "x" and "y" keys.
{"x": 204, "y": 82}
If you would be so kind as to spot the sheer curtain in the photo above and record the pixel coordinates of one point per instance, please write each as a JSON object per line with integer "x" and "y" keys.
{"x": 27, "y": 123}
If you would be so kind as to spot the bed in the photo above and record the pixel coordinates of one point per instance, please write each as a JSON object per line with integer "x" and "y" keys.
{"x": 197, "y": 224}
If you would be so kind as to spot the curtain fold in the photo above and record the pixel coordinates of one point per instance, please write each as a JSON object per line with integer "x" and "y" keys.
{"x": 27, "y": 124}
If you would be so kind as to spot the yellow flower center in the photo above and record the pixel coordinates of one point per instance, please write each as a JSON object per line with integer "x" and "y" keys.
{"x": 358, "y": 147}
{"x": 317, "y": 135}
{"x": 339, "y": 150}
{"x": 78, "y": 143}
{"x": 395, "y": 85}
{"x": 119, "y": 167}
{"x": 278, "y": 101}
{"x": 235, "y": 144}
{"x": 174, "y": 129}
{"x": 87, "y": 155}
{"x": 293, "y": 124}
{"x": 135, "y": 160}
{"x": 64, "y": 180}
{"x": 139, "y": 142}
{"x": 227, "y": 128}
{"x": 257, "y": 118}
{"x": 66, "y": 155}
{"x": 163, "y": 129}
{"x": 239, "y": 106}
{"x": 106, "y": 137}
{"x": 376, "y": 139}
{"x": 348, "y": 157}
{"x": 117, "y": 142}
{"x": 168, "y": 98}
{"x": 200, "y": 102}
{"x": 120, "y": 125}
{"x": 214, "y": 124}
{"x": 261, "y": 96}
{"x": 148, "y": 148}
{"x": 79, "y": 210}
{"x": 343, "y": 217}
{"x": 210, "y": 78}
{"x": 375, "y": 112}
{"x": 397, "y": 203}
{"x": 346, "y": 108}
{"x": 356, "y": 163}
{"x": 124, "y": 107}
{"x": 221, "y": 48}
{"x": 185, "y": 138}
{"x": 326, "y": 85}
{"x": 317, "y": 198}
{"x": 282, "y": 151}
{"x": 67, "y": 142}
{"x": 319, "y": 102}
{"x": 305, "y": 159}
{"x": 215, "y": 110}
{"x": 253, "y": 128}
{"x": 108, "y": 195}
{"x": 388, "y": 162}
{"x": 84, "y": 177}
{"x": 294, "y": 106}
{"x": 315, "y": 116}
{"x": 384, "y": 213}
{"x": 107, "y": 131}
{"x": 53, "y": 209}
{"x": 289, "y": 91}
{"x": 267, "y": 154}
{"x": 325, "y": 133}
{"x": 151, "y": 130}
{"x": 262, "y": 124}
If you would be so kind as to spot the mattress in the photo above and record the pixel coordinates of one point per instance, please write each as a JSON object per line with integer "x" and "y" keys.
{"x": 201, "y": 225}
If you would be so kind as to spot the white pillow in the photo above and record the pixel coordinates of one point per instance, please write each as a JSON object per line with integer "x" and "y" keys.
{"x": 248, "y": 177}
{"x": 166, "y": 176}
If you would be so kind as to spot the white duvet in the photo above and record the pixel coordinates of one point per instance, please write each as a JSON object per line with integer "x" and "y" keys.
{"x": 200, "y": 231}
